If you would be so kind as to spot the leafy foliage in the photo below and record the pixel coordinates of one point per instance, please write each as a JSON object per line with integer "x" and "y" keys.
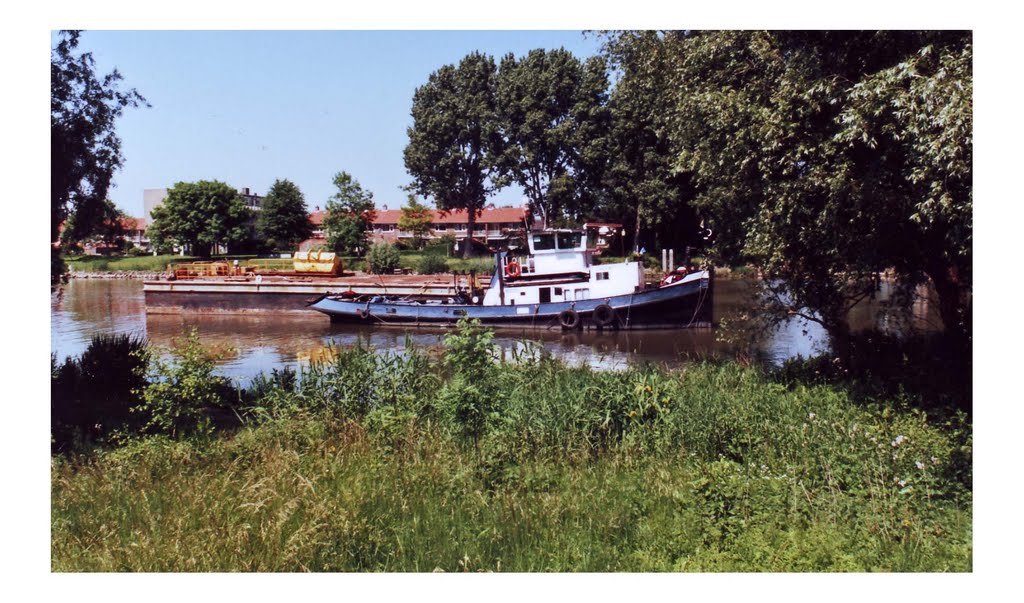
{"x": 283, "y": 220}
{"x": 432, "y": 263}
{"x": 416, "y": 219}
{"x": 469, "y": 399}
{"x": 807, "y": 154}
{"x": 552, "y": 112}
{"x": 200, "y": 215}
{"x": 183, "y": 392}
{"x": 455, "y": 140}
{"x": 84, "y": 147}
{"x": 92, "y": 397}
{"x": 109, "y": 229}
{"x": 383, "y": 258}
{"x": 643, "y": 190}
{"x": 350, "y": 213}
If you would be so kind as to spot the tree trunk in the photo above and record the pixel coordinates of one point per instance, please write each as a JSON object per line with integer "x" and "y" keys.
{"x": 838, "y": 329}
{"x": 953, "y": 306}
{"x": 467, "y": 251}
{"x": 636, "y": 234}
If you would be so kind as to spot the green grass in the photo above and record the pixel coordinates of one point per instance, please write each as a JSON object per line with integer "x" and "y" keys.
{"x": 482, "y": 265}
{"x": 142, "y": 263}
{"x": 417, "y": 461}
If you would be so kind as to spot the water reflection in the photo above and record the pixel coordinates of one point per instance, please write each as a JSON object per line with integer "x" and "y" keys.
{"x": 253, "y": 344}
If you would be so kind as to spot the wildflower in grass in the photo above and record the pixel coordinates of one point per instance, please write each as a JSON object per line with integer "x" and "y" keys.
{"x": 899, "y": 440}
{"x": 919, "y": 464}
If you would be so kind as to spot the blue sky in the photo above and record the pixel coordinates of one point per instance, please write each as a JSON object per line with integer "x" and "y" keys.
{"x": 249, "y": 107}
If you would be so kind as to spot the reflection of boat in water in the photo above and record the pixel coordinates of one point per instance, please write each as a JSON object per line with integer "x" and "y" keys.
{"x": 557, "y": 284}
{"x": 317, "y": 355}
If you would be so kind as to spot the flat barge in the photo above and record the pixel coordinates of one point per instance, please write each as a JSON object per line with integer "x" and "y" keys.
{"x": 257, "y": 293}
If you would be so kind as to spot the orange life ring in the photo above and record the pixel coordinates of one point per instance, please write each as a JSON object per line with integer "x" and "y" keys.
{"x": 512, "y": 269}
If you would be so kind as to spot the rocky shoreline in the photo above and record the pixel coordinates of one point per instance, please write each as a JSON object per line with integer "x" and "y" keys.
{"x": 118, "y": 275}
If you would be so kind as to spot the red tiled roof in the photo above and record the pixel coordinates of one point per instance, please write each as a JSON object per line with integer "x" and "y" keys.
{"x": 130, "y": 223}
{"x": 495, "y": 215}
{"x": 459, "y": 216}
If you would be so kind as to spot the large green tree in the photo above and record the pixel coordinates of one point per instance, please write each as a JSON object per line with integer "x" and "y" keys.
{"x": 644, "y": 190}
{"x": 283, "y": 220}
{"x": 553, "y": 116}
{"x": 84, "y": 147}
{"x": 455, "y": 140}
{"x": 350, "y": 214}
{"x": 198, "y": 216}
{"x": 816, "y": 155}
{"x": 918, "y": 115}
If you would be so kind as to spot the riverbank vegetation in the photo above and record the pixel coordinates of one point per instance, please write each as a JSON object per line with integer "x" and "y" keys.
{"x": 457, "y": 460}
{"x": 142, "y": 263}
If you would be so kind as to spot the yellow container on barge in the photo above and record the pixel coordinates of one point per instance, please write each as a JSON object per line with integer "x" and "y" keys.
{"x": 317, "y": 262}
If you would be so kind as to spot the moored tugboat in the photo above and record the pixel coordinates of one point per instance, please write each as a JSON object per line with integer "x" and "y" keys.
{"x": 556, "y": 285}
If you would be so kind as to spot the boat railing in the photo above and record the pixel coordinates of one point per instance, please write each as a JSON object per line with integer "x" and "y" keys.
{"x": 191, "y": 270}
{"x": 526, "y": 264}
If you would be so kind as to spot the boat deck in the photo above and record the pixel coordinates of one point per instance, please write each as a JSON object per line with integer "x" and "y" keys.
{"x": 286, "y": 293}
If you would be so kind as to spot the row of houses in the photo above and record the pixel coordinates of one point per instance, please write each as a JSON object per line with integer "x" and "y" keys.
{"x": 494, "y": 226}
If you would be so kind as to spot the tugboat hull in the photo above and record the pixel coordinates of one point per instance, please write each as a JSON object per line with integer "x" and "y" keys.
{"x": 686, "y": 303}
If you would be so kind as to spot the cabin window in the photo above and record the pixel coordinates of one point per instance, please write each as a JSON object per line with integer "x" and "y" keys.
{"x": 569, "y": 240}
{"x": 601, "y": 276}
{"x": 542, "y": 242}
{"x": 545, "y": 295}
{"x": 582, "y": 294}
{"x": 558, "y": 292}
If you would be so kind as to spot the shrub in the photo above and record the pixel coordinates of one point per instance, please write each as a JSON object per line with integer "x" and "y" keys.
{"x": 442, "y": 245}
{"x": 183, "y": 392}
{"x": 470, "y": 397}
{"x": 92, "y": 397}
{"x": 432, "y": 264}
{"x": 383, "y": 258}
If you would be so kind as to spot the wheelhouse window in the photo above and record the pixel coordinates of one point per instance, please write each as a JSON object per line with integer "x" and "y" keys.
{"x": 569, "y": 240}
{"x": 543, "y": 242}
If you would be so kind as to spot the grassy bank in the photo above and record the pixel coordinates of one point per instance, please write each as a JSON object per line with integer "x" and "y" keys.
{"x": 420, "y": 461}
{"x": 142, "y": 263}
{"x": 149, "y": 263}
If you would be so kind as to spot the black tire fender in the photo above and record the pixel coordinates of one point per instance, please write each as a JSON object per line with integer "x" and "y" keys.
{"x": 569, "y": 319}
{"x": 603, "y": 315}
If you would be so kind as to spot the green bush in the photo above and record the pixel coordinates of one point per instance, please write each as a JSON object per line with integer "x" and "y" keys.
{"x": 383, "y": 258}
{"x": 432, "y": 264}
{"x": 183, "y": 393}
{"x": 92, "y": 397}
{"x": 441, "y": 246}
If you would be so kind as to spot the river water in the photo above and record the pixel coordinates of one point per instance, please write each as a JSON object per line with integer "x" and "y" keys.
{"x": 253, "y": 344}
